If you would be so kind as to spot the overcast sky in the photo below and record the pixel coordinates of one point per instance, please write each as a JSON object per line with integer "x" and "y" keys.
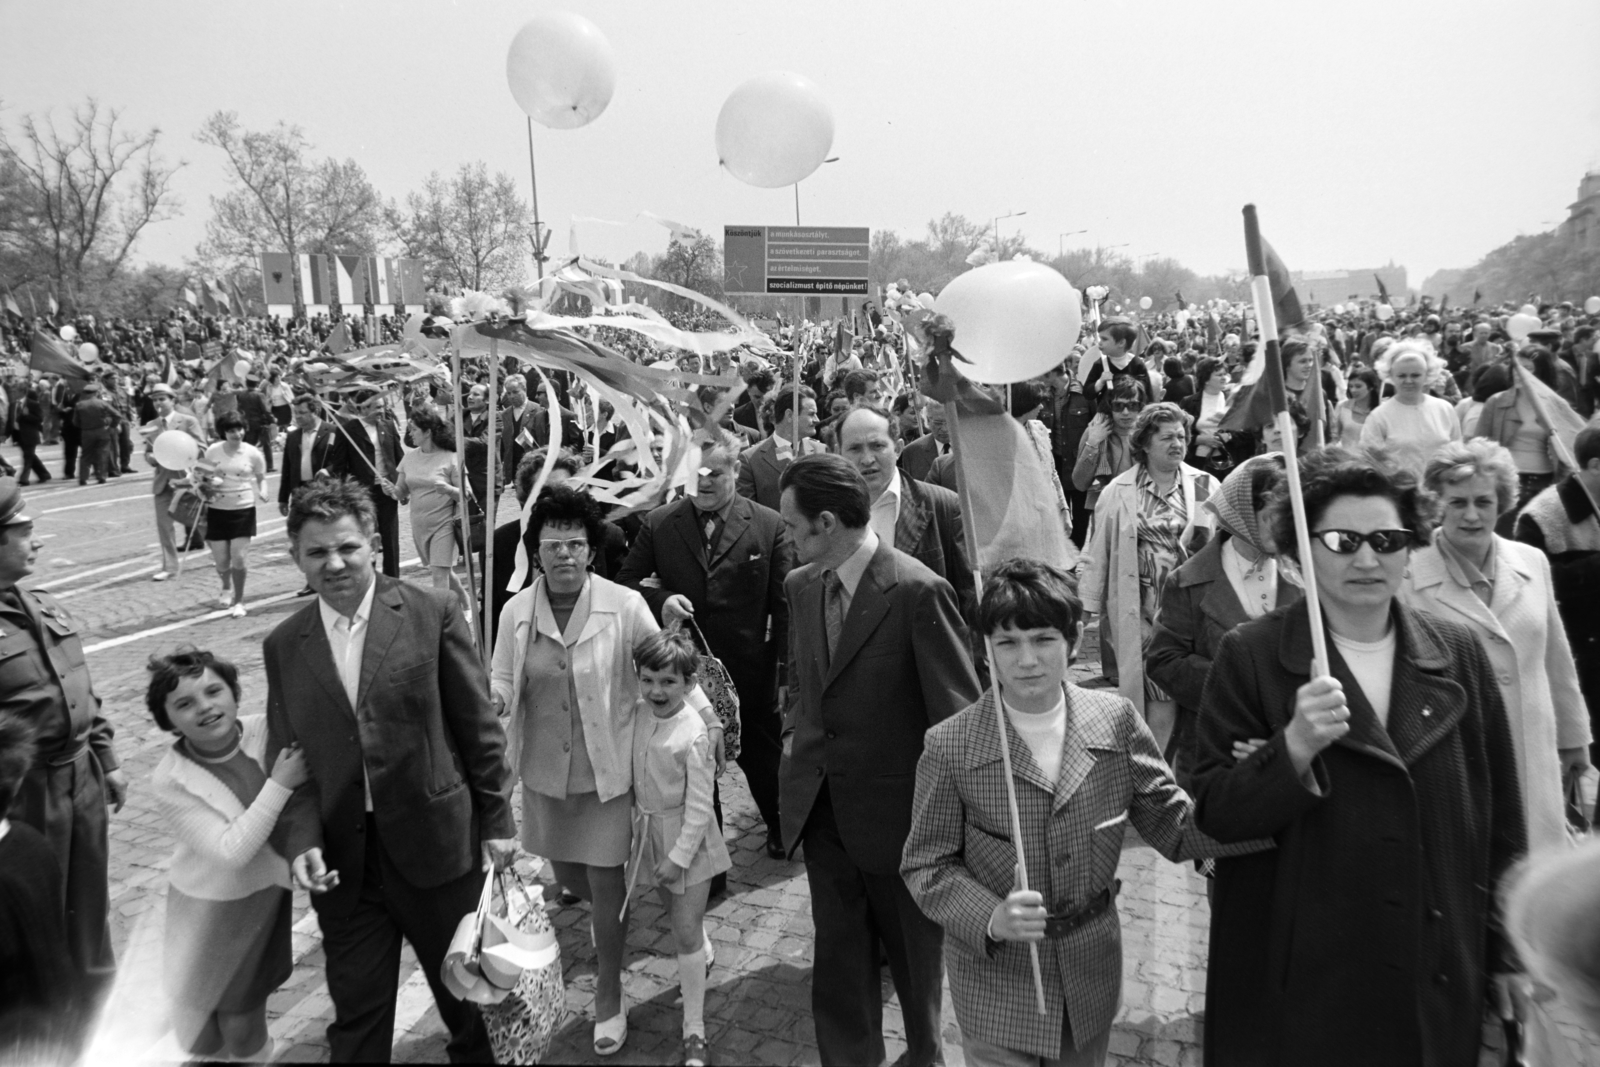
{"x": 1423, "y": 131}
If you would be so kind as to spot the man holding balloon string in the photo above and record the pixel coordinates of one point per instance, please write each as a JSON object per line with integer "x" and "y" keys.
{"x": 162, "y": 485}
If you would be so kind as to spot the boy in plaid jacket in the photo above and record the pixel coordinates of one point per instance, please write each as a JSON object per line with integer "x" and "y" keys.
{"x": 1084, "y": 765}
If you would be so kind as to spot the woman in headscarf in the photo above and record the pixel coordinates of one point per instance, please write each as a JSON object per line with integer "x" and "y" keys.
{"x": 1236, "y": 577}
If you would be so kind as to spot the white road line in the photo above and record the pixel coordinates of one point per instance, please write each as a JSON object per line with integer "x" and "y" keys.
{"x": 95, "y": 504}
{"x": 220, "y": 613}
{"x": 66, "y": 579}
{"x": 56, "y": 581}
{"x": 149, "y": 568}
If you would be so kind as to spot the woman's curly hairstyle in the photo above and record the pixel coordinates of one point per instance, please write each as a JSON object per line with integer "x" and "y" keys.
{"x": 1151, "y": 419}
{"x": 1333, "y": 472}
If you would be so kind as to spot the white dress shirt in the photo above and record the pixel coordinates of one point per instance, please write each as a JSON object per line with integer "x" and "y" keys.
{"x": 886, "y": 509}
{"x": 347, "y": 640}
{"x": 307, "y": 438}
{"x": 782, "y": 447}
{"x": 1255, "y": 584}
{"x": 852, "y": 569}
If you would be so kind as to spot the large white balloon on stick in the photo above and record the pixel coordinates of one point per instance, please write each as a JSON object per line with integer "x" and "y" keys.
{"x": 561, "y": 70}
{"x": 1520, "y": 325}
{"x": 88, "y": 352}
{"x": 1014, "y": 320}
{"x": 1592, "y": 305}
{"x": 175, "y": 450}
{"x": 774, "y": 130}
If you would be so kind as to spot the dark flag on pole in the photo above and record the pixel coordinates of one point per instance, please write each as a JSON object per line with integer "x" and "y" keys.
{"x": 52, "y": 355}
{"x": 1477, "y": 295}
{"x": 1181, "y": 304}
{"x": 1383, "y": 290}
{"x": 1262, "y": 395}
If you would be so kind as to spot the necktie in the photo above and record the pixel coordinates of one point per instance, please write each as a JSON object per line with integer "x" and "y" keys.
{"x": 832, "y": 609}
{"x": 711, "y": 528}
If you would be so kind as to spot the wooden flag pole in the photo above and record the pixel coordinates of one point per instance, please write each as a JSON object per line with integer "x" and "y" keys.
{"x": 466, "y": 483}
{"x": 491, "y": 510}
{"x": 1267, "y": 324}
{"x": 952, "y": 420}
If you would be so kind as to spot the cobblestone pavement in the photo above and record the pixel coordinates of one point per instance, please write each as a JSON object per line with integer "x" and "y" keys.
{"x": 99, "y": 543}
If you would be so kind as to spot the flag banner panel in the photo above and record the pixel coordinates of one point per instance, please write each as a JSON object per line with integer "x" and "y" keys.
{"x": 277, "y": 278}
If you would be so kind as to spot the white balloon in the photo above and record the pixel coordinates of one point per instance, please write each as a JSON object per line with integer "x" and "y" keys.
{"x": 69, "y": 332}
{"x": 1520, "y": 325}
{"x": 1145, "y": 302}
{"x": 774, "y": 130}
{"x": 1592, "y": 305}
{"x": 1528, "y": 309}
{"x": 1338, "y": 309}
{"x": 88, "y": 352}
{"x": 175, "y": 450}
{"x": 561, "y": 70}
{"x": 1383, "y": 312}
{"x": 926, "y": 300}
{"x": 1014, "y": 320}
{"x": 242, "y": 368}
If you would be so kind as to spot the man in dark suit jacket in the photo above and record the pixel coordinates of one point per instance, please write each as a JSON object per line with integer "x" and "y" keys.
{"x": 924, "y": 519}
{"x": 877, "y": 654}
{"x": 301, "y": 464}
{"x": 367, "y": 448}
{"x": 761, "y": 465}
{"x": 260, "y": 428}
{"x": 731, "y": 584}
{"x": 410, "y": 799}
{"x": 917, "y": 457}
{"x": 525, "y": 425}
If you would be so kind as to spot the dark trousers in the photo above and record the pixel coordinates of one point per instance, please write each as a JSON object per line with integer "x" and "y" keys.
{"x": 69, "y": 451}
{"x": 97, "y": 460}
{"x": 32, "y": 465}
{"x": 363, "y": 960}
{"x": 761, "y": 749}
{"x": 125, "y": 449}
{"x": 853, "y": 910}
{"x": 262, "y": 437}
{"x": 389, "y": 534}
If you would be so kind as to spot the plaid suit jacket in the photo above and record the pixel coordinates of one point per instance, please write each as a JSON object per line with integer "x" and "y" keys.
{"x": 959, "y": 860}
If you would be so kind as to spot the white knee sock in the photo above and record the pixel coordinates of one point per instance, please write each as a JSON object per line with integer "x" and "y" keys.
{"x": 692, "y": 980}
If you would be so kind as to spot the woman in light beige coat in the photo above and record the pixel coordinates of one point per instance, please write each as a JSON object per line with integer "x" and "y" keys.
{"x": 1502, "y": 590}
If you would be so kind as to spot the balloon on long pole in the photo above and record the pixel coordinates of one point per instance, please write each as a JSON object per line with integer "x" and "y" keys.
{"x": 466, "y": 481}
{"x": 491, "y": 509}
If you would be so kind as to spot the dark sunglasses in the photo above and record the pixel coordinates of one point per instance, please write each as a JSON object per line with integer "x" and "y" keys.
{"x": 1349, "y": 542}
{"x": 1125, "y": 405}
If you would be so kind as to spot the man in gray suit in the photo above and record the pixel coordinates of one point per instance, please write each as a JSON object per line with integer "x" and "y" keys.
{"x": 168, "y": 417}
{"x": 877, "y": 655}
{"x": 410, "y": 799}
{"x": 761, "y": 465}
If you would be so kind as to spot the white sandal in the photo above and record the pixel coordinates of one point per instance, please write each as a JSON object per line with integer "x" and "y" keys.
{"x": 609, "y": 1036}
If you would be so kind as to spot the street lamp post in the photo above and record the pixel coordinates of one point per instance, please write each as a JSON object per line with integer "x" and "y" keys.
{"x": 1008, "y": 215}
{"x": 830, "y": 159}
{"x": 1061, "y": 248}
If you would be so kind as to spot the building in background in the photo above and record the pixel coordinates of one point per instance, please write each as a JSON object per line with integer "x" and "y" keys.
{"x": 1329, "y": 287}
{"x": 1582, "y": 224}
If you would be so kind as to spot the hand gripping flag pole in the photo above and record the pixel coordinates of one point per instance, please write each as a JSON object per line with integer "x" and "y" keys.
{"x": 1272, "y": 378}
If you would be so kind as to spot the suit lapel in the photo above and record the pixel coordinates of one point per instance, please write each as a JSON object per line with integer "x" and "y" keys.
{"x": 913, "y": 518}
{"x": 317, "y": 656}
{"x": 1425, "y": 704}
{"x": 1430, "y": 572}
{"x": 732, "y": 530}
{"x": 1221, "y": 604}
{"x": 694, "y": 541}
{"x": 867, "y": 609}
{"x": 983, "y": 747}
{"x": 1091, "y": 726}
{"x": 382, "y": 628}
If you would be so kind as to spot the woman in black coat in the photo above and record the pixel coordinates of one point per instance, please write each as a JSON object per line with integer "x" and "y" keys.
{"x": 1390, "y": 786}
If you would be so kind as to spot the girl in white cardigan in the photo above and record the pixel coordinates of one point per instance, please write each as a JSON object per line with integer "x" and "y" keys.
{"x": 227, "y": 944}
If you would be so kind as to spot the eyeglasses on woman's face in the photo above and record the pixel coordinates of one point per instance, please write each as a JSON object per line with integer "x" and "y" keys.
{"x": 564, "y": 546}
{"x": 1126, "y": 405}
{"x": 1349, "y": 542}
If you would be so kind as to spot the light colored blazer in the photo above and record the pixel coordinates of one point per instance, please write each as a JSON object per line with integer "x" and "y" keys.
{"x": 959, "y": 860}
{"x": 602, "y": 665}
{"x": 1109, "y": 566}
{"x": 1527, "y": 645}
{"x": 222, "y": 851}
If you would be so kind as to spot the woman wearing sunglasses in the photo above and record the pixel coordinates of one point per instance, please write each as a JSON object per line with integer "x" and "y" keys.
{"x": 1390, "y": 786}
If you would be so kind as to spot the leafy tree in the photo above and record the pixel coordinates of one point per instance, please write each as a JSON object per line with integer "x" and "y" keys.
{"x": 283, "y": 200}
{"x": 73, "y": 202}
{"x": 1549, "y": 264}
{"x": 469, "y": 230}
{"x": 694, "y": 265}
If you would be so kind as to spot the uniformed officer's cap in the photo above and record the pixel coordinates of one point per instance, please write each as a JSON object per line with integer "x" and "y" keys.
{"x": 11, "y": 503}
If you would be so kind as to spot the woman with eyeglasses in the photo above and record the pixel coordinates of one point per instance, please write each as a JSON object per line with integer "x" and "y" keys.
{"x": 563, "y": 675}
{"x": 1105, "y": 449}
{"x": 1389, "y": 783}
{"x": 1502, "y": 591}
{"x": 1148, "y": 521}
